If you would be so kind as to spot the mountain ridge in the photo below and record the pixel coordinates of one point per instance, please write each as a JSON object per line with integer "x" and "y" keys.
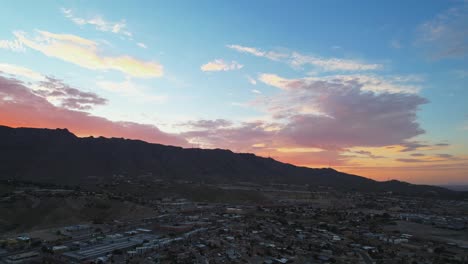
{"x": 60, "y": 157}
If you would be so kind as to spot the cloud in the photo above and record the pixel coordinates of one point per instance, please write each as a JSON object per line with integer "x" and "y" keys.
{"x": 332, "y": 64}
{"x": 296, "y": 60}
{"x": 261, "y": 138}
{"x": 255, "y": 91}
{"x": 85, "y": 53}
{"x": 99, "y": 23}
{"x": 322, "y": 113}
{"x": 312, "y": 158}
{"x": 366, "y": 153}
{"x": 259, "y": 53}
{"x": 13, "y": 45}
{"x": 299, "y": 150}
{"x": 445, "y": 156}
{"x": 434, "y": 158}
{"x": 221, "y": 65}
{"x": 251, "y": 80}
{"x": 142, "y": 45}
{"x": 372, "y": 83}
{"x": 19, "y": 71}
{"x": 20, "y": 107}
{"x": 54, "y": 90}
{"x": 412, "y": 160}
{"x": 206, "y": 124}
{"x": 408, "y": 146}
{"x": 273, "y": 80}
{"x": 311, "y": 115}
{"x": 237, "y": 138}
{"x": 417, "y": 155}
{"x": 69, "y": 97}
{"x": 446, "y": 35}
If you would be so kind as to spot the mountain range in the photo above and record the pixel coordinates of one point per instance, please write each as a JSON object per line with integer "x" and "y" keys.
{"x": 59, "y": 157}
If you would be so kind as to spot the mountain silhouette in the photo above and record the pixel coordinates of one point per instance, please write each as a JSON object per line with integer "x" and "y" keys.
{"x": 59, "y": 157}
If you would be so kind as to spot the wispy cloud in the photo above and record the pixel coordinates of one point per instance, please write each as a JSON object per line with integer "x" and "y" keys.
{"x": 221, "y": 65}
{"x": 251, "y": 80}
{"x": 430, "y": 158}
{"x": 409, "y": 146}
{"x": 373, "y": 83}
{"x": 445, "y": 156}
{"x": 259, "y": 53}
{"x": 19, "y": 71}
{"x": 255, "y": 91}
{"x": 412, "y": 160}
{"x": 142, "y": 45}
{"x": 366, "y": 153}
{"x": 98, "y": 22}
{"x": 446, "y": 35}
{"x": 295, "y": 59}
{"x": 331, "y": 64}
{"x": 84, "y": 53}
{"x": 13, "y": 45}
{"x": 273, "y": 80}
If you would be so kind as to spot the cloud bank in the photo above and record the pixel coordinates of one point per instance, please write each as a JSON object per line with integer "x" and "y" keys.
{"x": 325, "y": 114}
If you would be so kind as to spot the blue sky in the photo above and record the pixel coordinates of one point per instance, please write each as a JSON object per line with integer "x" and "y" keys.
{"x": 314, "y": 83}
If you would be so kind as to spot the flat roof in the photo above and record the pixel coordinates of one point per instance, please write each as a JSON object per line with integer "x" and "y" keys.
{"x": 97, "y": 251}
{"x": 104, "y": 248}
{"x": 24, "y": 255}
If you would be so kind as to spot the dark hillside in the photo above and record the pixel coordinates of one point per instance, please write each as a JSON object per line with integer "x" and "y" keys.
{"x": 59, "y": 157}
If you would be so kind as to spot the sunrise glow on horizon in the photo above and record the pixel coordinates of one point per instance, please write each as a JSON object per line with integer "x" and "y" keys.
{"x": 371, "y": 89}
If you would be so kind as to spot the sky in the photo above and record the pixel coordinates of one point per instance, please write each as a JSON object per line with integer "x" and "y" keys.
{"x": 374, "y": 88}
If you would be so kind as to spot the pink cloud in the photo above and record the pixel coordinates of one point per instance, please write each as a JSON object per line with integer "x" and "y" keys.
{"x": 238, "y": 138}
{"x": 328, "y": 114}
{"x": 19, "y": 106}
{"x": 325, "y": 114}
